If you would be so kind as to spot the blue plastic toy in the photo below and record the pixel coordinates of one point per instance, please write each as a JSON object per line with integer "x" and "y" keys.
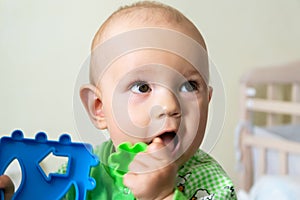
{"x": 35, "y": 183}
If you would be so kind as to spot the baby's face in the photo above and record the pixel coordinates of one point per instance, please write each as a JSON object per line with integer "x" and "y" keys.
{"x": 154, "y": 93}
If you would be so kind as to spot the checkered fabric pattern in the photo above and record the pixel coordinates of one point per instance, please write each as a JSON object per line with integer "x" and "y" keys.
{"x": 203, "y": 178}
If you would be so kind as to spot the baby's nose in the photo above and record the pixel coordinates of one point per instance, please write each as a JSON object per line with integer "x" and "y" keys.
{"x": 166, "y": 104}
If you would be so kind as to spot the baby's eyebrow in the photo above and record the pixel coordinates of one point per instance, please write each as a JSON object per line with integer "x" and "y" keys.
{"x": 194, "y": 74}
{"x": 191, "y": 73}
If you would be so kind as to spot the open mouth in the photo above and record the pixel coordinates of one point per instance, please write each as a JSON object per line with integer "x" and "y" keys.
{"x": 170, "y": 139}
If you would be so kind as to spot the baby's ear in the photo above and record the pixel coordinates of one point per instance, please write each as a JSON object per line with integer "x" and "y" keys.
{"x": 91, "y": 99}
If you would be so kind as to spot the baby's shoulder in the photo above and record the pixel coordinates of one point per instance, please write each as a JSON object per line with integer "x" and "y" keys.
{"x": 201, "y": 161}
{"x": 202, "y": 176}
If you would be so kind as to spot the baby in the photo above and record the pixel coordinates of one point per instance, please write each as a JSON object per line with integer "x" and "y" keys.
{"x": 149, "y": 83}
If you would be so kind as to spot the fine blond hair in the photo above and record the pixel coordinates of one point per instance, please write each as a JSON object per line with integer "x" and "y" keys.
{"x": 144, "y": 11}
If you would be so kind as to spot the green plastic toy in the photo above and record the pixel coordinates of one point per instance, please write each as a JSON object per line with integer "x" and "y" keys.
{"x": 119, "y": 161}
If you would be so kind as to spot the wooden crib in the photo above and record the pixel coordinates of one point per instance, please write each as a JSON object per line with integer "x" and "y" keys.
{"x": 270, "y": 101}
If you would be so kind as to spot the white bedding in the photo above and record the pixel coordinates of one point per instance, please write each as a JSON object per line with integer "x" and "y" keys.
{"x": 273, "y": 187}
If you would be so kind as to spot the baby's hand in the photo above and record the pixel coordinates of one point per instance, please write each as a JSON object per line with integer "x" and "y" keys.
{"x": 152, "y": 175}
{"x": 7, "y": 186}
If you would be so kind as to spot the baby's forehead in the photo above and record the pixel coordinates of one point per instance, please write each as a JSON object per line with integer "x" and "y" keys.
{"x": 154, "y": 38}
{"x": 148, "y": 62}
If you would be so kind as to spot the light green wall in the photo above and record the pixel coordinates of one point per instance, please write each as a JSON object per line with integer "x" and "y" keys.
{"x": 44, "y": 43}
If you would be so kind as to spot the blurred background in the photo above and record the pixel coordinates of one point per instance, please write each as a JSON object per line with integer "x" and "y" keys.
{"x": 44, "y": 43}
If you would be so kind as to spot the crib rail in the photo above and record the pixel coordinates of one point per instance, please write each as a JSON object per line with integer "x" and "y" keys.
{"x": 273, "y": 106}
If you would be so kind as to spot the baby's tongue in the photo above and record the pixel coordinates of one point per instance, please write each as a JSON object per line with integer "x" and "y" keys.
{"x": 168, "y": 140}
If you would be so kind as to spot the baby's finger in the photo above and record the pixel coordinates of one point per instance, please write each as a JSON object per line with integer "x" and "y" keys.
{"x": 151, "y": 185}
{"x": 145, "y": 162}
{"x": 133, "y": 182}
{"x": 156, "y": 144}
{"x": 159, "y": 150}
{"x": 156, "y": 157}
{"x": 7, "y": 185}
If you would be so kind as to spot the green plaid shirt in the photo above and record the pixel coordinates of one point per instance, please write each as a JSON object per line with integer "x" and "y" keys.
{"x": 201, "y": 178}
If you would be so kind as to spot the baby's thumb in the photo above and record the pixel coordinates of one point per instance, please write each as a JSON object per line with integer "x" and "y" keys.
{"x": 156, "y": 144}
{"x": 7, "y": 185}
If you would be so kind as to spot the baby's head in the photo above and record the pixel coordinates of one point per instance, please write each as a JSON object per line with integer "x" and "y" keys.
{"x": 149, "y": 79}
{"x": 146, "y": 14}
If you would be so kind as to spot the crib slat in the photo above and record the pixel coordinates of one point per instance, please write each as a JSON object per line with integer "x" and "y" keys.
{"x": 243, "y": 97}
{"x": 296, "y": 98}
{"x": 283, "y": 161}
{"x": 262, "y": 162}
{"x": 271, "y": 93}
{"x": 247, "y": 173}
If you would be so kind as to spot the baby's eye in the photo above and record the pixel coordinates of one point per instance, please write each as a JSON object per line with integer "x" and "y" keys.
{"x": 189, "y": 86}
{"x": 140, "y": 87}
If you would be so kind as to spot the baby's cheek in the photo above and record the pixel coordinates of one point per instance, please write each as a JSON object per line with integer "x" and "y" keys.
{"x": 139, "y": 117}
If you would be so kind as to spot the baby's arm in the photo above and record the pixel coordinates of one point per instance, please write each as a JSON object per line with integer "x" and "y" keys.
{"x": 157, "y": 180}
{"x": 7, "y": 186}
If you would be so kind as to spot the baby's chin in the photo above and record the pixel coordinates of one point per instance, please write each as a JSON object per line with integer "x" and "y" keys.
{"x": 185, "y": 155}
